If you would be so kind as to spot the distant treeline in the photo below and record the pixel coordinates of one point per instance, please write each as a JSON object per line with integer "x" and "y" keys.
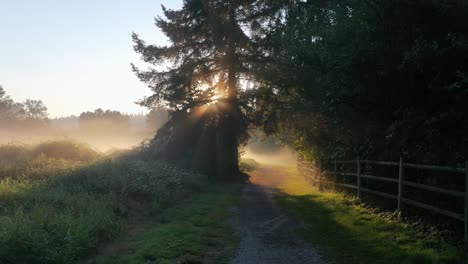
{"x": 29, "y": 121}
{"x": 15, "y": 114}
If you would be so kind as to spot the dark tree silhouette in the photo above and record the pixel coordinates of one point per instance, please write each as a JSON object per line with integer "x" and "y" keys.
{"x": 35, "y": 109}
{"x": 14, "y": 114}
{"x": 9, "y": 109}
{"x": 374, "y": 78}
{"x": 212, "y": 54}
{"x": 344, "y": 78}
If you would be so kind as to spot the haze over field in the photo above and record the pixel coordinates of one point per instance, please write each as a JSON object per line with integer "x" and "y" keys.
{"x": 100, "y": 137}
{"x": 233, "y": 131}
{"x": 28, "y": 123}
{"x": 75, "y": 56}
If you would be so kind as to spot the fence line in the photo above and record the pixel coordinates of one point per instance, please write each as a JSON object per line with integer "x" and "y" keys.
{"x": 401, "y": 181}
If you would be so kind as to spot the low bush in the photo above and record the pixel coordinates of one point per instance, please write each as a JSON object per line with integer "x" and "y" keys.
{"x": 66, "y": 149}
{"x": 248, "y": 165}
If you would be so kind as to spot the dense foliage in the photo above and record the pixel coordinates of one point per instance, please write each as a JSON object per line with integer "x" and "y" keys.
{"x": 373, "y": 78}
{"x": 344, "y": 78}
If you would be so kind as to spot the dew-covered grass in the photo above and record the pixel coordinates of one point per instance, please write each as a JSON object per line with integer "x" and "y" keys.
{"x": 347, "y": 231}
{"x": 57, "y": 206}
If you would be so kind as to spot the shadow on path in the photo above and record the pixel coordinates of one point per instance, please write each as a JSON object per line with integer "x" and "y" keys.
{"x": 267, "y": 235}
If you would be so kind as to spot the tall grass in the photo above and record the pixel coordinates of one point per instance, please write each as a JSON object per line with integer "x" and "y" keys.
{"x": 44, "y": 160}
{"x": 60, "y": 149}
{"x": 59, "y": 201}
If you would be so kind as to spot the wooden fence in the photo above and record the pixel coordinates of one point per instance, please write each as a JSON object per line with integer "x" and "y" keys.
{"x": 314, "y": 174}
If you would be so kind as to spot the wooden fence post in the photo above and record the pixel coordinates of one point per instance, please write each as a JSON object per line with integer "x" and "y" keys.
{"x": 334, "y": 176}
{"x": 466, "y": 201}
{"x": 401, "y": 173}
{"x": 358, "y": 178}
{"x": 310, "y": 174}
{"x": 320, "y": 175}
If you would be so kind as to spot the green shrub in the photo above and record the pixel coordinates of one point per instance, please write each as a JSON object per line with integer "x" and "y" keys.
{"x": 66, "y": 149}
{"x": 61, "y": 149}
{"x": 247, "y": 165}
{"x": 44, "y": 160}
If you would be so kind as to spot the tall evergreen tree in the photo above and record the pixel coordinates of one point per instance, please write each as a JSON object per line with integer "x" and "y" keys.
{"x": 214, "y": 49}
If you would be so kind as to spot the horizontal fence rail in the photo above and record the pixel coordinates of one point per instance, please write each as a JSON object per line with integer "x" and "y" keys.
{"x": 434, "y": 189}
{"x": 377, "y": 178}
{"x": 400, "y": 181}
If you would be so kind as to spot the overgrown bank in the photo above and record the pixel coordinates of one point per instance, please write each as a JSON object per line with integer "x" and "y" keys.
{"x": 55, "y": 209}
{"x": 348, "y": 232}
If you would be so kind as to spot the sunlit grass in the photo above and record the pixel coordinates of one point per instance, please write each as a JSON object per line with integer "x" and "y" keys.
{"x": 349, "y": 232}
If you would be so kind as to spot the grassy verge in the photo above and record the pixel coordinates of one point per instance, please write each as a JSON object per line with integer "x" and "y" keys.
{"x": 348, "y": 232}
{"x": 193, "y": 231}
{"x": 60, "y": 201}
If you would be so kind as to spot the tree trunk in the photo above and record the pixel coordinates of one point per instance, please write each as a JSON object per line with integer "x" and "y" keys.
{"x": 204, "y": 153}
{"x": 228, "y": 133}
{"x": 227, "y": 147}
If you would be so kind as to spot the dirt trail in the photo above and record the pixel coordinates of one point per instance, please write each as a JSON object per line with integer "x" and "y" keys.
{"x": 268, "y": 235}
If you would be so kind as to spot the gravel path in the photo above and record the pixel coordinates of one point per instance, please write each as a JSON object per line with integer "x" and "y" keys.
{"x": 267, "y": 235}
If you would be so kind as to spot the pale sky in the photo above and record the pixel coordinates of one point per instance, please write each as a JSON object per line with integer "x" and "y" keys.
{"x": 75, "y": 55}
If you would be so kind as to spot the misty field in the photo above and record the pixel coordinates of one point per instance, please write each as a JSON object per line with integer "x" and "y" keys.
{"x": 60, "y": 200}
{"x": 188, "y": 132}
